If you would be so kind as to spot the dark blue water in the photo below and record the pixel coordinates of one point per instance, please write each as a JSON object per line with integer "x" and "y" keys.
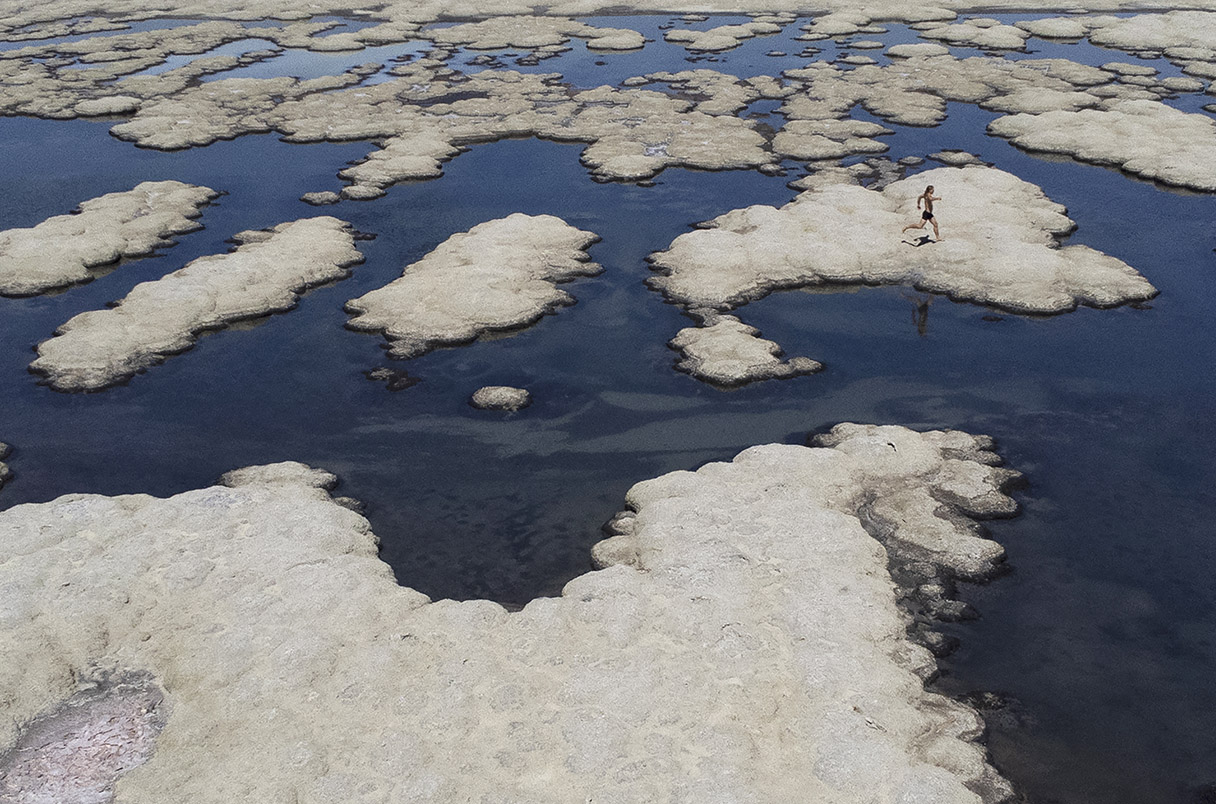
{"x": 1102, "y": 636}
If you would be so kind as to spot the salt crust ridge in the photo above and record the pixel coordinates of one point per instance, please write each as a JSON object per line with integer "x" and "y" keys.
{"x": 265, "y": 274}
{"x": 499, "y": 275}
{"x": 743, "y": 644}
{"x": 60, "y": 251}
{"x": 999, "y": 248}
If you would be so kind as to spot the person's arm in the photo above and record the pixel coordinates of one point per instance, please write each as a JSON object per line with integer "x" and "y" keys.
{"x": 919, "y": 198}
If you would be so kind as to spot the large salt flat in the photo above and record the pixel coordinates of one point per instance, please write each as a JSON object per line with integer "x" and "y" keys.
{"x": 744, "y": 642}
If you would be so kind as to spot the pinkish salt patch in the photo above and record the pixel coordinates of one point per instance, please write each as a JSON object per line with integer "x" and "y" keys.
{"x": 75, "y": 754}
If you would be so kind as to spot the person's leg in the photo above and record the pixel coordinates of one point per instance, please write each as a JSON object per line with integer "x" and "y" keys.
{"x": 936, "y": 234}
{"x": 918, "y": 225}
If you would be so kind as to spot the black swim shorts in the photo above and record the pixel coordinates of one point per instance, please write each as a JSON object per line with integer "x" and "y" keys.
{"x": 926, "y": 216}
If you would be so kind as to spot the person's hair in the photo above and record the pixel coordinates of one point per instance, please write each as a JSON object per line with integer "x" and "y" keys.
{"x": 929, "y": 189}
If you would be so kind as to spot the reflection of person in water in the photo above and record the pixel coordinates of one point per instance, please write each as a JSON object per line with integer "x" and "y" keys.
{"x": 926, "y": 216}
{"x": 920, "y": 314}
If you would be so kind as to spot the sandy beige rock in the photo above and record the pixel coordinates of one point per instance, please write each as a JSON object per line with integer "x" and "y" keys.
{"x": 1176, "y": 83}
{"x": 1000, "y": 247}
{"x": 109, "y": 105}
{"x": 499, "y": 275}
{"x": 956, "y": 158}
{"x": 717, "y": 93}
{"x": 1142, "y": 137}
{"x": 756, "y": 652}
{"x": 989, "y": 37}
{"x": 501, "y": 397}
{"x": 876, "y": 173}
{"x": 723, "y": 37}
{"x": 921, "y": 49}
{"x": 531, "y": 32}
{"x": 726, "y": 352}
{"x": 1124, "y": 68}
{"x": 1156, "y": 32}
{"x": 320, "y": 199}
{"x": 1055, "y": 28}
{"x": 61, "y": 250}
{"x": 914, "y": 90}
{"x": 839, "y": 23}
{"x": 829, "y": 139}
{"x": 265, "y": 274}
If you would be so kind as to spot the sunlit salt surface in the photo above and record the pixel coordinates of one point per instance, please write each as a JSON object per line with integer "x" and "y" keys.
{"x": 1102, "y": 635}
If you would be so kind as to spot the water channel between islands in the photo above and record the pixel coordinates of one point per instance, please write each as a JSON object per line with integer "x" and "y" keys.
{"x": 1099, "y": 641}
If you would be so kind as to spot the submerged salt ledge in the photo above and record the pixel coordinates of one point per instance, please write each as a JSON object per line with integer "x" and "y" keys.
{"x": 61, "y": 250}
{"x": 499, "y": 275}
{"x": 265, "y": 274}
{"x": 744, "y": 642}
{"x": 999, "y": 247}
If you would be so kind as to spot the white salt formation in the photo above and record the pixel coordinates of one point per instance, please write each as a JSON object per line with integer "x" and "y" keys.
{"x": 533, "y": 32}
{"x": 60, "y": 251}
{"x": 1000, "y": 247}
{"x": 499, "y": 275}
{"x": 500, "y": 397}
{"x": 1145, "y": 138}
{"x": 726, "y": 352}
{"x": 427, "y": 113}
{"x": 1157, "y": 32}
{"x": 982, "y": 33}
{"x": 265, "y": 274}
{"x": 723, "y": 37}
{"x": 422, "y": 118}
{"x": 744, "y": 643}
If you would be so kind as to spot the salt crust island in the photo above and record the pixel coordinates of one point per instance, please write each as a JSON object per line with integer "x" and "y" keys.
{"x": 265, "y": 274}
{"x": 426, "y": 112}
{"x": 1002, "y": 250}
{"x": 501, "y": 397}
{"x": 61, "y": 250}
{"x": 726, "y": 352}
{"x": 499, "y": 275}
{"x": 743, "y": 642}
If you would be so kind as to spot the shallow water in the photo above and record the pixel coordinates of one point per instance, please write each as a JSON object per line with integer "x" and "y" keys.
{"x": 1102, "y": 634}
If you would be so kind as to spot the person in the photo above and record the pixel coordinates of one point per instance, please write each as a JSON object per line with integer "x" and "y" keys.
{"x": 926, "y": 216}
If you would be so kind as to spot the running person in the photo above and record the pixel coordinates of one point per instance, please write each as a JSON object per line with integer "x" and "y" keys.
{"x": 926, "y": 216}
